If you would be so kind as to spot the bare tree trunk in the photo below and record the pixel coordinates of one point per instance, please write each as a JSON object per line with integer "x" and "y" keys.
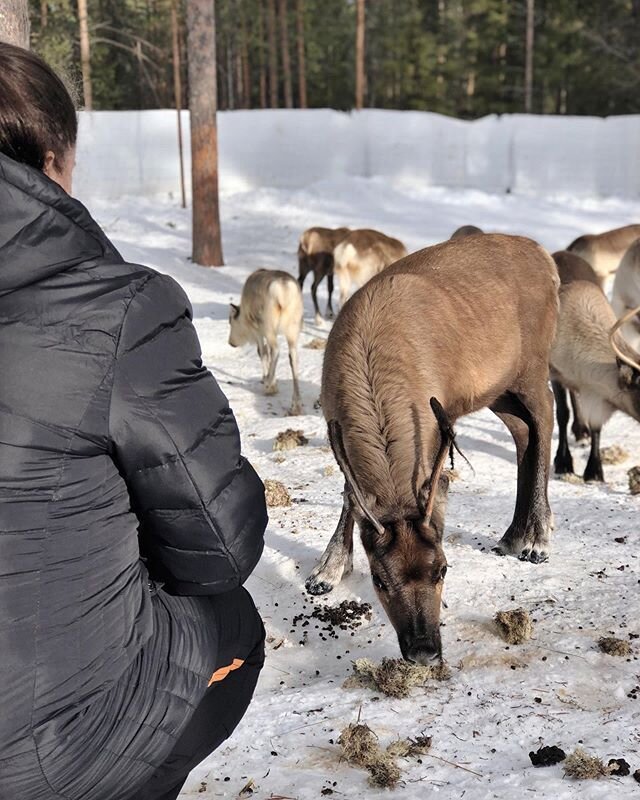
{"x": 85, "y": 54}
{"x": 302, "y": 68}
{"x": 201, "y": 33}
{"x": 286, "y": 59}
{"x": 359, "y": 53}
{"x": 273, "y": 54}
{"x": 44, "y": 13}
{"x": 528, "y": 69}
{"x": 244, "y": 59}
{"x": 177, "y": 90}
{"x": 14, "y": 22}
{"x": 261, "y": 66}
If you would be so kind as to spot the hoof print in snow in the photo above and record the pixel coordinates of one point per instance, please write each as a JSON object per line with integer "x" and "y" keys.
{"x": 547, "y": 756}
{"x": 614, "y": 647}
{"x": 276, "y": 494}
{"x": 289, "y": 440}
{"x": 515, "y": 626}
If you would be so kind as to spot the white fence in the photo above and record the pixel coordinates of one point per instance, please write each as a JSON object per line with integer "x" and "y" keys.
{"x": 135, "y": 152}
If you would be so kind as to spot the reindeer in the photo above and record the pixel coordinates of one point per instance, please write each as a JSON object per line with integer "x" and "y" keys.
{"x": 315, "y": 254}
{"x": 466, "y": 230}
{"x": 271, "y": 304}
{"x": 626, "y": 293}
{"x": 397, "y": 343}
{"x": 590, "y": 357}
{"x": 361, "y": 255}
{"x": 570, "y": 268}
{"x": 604, "y": 250}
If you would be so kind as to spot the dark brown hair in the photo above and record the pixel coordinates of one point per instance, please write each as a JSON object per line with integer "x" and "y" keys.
{"x": 37, "y": 113}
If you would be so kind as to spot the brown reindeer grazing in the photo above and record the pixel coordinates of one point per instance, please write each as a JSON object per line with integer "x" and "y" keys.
{"x": 315, "y": 254}
{"x": 626, "y": 293}
{"x": 468, "y": 323}
{"x": 604, "y": 250}
{"x": 271, "y": 304}
{"x": 361, "y": 255}
{"x": 570, "y": 268}
{"x": 466, "y": 230}
{"x": 590, "y": 357}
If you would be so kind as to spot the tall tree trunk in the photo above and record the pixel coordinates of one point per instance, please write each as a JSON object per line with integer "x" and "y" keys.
{"x": 244, "y": 59}
{"x": 302, "y": 68}
{"x": 359, "y": 53}
{"x": 286, "y": 59}
{"x": 85, "y": 54}
{"x": 177, "y": 90}
{"x": 44, "y": 13}
{"x": 273, "y": 54}
{"x": 262, "y": 72}
{"x": 201, "y": 37}
{"x": 528, "y": 67}
{"x": 14, "y": 22}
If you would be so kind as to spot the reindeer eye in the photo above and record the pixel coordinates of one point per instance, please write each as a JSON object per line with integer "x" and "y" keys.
{"x": 443, "y": 572}
{"x": 378, "y": 583}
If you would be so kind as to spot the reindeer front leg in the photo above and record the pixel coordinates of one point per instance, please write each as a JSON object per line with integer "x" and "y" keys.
{"x": 337, "y": 559}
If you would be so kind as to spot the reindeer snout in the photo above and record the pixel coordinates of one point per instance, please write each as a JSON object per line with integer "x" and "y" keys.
{"x": 426, "y": 651}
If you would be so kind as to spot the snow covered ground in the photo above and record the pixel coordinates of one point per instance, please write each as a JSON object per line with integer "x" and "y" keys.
{"x": 501, "y": 701}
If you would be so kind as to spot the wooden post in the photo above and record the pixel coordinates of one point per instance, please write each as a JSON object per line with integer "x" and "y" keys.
{"x": 528, "y": 68}
{"x": 302, "y": 69}
{"x": 177, "y": 90}
{"x": 14, "y": 22}
{"x": 207, "y": 239}
{"x": 360, "y": 53}
{"x": 85, "y": 54}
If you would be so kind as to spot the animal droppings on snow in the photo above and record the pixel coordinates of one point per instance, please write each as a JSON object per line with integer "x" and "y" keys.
{"x": 360, "y": 747}
{"x": 409, "y": 748}
{"x": 547, "y": 756}
{"x": 619, "y": 767}
{"x": 393, "y": 676}
{"x": 613, "y": 646}
{"x": 614, "y": 454}
{"x": 515, "y": 626}
{"x": 289, "y": 440}
{"x": 277, "y": 494}
{"x": 634, "y": 480}
{"x": 349, "y": 615}
{"x": 581, "y": 766}
{"x": 316, "y": 344}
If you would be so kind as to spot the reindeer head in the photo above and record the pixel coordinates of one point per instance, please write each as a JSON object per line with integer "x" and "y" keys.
{"x": 238, "y": 333}
{"x": 408, "y": 564}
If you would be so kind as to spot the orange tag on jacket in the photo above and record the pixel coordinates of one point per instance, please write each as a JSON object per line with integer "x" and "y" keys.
{"x": 221, "y": 674}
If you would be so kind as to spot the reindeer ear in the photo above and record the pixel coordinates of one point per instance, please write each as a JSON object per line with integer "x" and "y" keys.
{"x": 628, "y": 377}
{"x": 234, "y": 311}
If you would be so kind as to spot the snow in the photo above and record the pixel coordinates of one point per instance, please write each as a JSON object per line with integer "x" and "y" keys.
{"x": 136, "y": 152}
{"x": 486, "y": 719}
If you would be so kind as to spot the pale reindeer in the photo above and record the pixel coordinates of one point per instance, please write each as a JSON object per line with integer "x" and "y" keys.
{"x": 315, "y": 254}
{"x": 590, "y": 357}
{"x": 570, "y": 268}
{"x": 361, "y": 255}
{"x": 468, "y": 323}
{"x": 604, "y": 250}
{"x": 626, "y": 293}
{"x": 271, "y": 304}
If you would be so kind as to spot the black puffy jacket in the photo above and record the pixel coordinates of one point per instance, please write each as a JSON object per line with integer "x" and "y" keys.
{"x": 115, "y": 441}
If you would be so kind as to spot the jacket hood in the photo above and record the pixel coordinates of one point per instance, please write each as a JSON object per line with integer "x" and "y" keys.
{"x": 43, "y": 230}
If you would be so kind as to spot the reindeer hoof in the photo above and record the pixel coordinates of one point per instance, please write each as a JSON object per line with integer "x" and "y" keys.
{"x": 271, "y": 390}
{"x": 538, "y": 556}
{"x": 314, "y": 586}
{"x": 295, "y": 411}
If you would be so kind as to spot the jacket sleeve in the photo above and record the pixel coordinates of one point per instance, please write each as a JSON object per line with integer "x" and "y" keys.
{"x": 200, "y": 504}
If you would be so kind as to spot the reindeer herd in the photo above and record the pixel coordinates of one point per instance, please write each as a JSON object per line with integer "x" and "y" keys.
{"x": 399, "y": 371}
